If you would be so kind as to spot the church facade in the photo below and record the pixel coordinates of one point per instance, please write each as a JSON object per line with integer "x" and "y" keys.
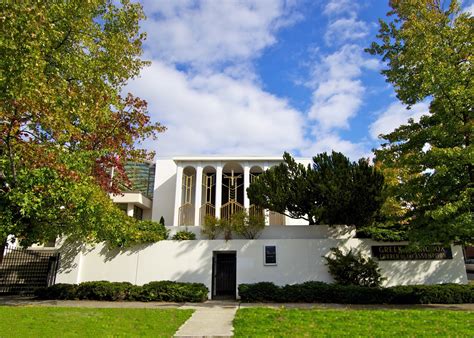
{"x": 288, "y": 251}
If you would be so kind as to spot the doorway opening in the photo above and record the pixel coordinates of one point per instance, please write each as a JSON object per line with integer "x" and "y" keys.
{"x": 224, "y": 273}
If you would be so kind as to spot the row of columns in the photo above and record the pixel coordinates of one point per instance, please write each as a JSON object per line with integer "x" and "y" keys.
{"x": 198, "y": 190}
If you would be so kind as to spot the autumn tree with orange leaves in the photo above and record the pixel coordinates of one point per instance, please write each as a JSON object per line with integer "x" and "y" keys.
{"x": 64, "y": 122}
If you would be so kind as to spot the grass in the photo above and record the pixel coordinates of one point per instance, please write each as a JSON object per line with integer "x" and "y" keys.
{"x": 374, "y": 323}
{"x": 89, "y": 322}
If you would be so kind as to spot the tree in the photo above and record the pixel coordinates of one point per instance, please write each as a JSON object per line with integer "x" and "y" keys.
{"x": 247, "y": 226}
{"x": 333, "y": 191}
{"x": 429, "y": 54}
{"x": 391, "y": 223}
{"x": 64, "y": 123}
{"x": 351, "y": 268}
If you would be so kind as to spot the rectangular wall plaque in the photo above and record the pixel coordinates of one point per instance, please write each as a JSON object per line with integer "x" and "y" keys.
{"x": 270, "y": 255}
{"x": 403, "y": 253}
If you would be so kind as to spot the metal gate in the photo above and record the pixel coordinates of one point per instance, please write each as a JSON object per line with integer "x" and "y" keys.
{"x": 22, "y": 271}
{"x": 224, "y": 274}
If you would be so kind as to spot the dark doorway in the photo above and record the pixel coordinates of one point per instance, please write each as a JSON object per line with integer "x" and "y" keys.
{"x": 224, "y": 269}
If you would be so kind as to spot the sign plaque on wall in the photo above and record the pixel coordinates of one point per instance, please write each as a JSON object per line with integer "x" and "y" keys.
{"x": 404, "y": 253}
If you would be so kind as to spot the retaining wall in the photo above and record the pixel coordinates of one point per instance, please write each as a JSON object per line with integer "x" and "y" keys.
{"x": 298, "y": 260}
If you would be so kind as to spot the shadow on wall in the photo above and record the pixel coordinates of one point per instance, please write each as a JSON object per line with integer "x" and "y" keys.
{"x": 69, "y": 251}
{"x": 111, "y": 254}
{"x": 201, "y": 271}
{"x": 298, "y": 260}
{"x": 425, "y": 272}
{"x": 405, "y": 272}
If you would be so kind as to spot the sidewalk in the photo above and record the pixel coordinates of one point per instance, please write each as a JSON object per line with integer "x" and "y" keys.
{"x": 214, "y": 321}
{"x": 25, "y": 301}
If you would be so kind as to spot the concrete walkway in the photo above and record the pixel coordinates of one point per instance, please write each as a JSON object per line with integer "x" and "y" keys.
{"x": 29, "y": 301}
{"x": 209, "y": 322}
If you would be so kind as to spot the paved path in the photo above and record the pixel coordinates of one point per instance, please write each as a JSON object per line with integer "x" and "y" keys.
{"x": 209, "y": 322}
{"x": 25, "y": 301}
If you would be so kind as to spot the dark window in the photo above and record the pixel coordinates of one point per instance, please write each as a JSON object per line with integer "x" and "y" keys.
{"x": 270, "y": 255}
{"x": 123, "y": 207}
{"x": 137, "y": 213}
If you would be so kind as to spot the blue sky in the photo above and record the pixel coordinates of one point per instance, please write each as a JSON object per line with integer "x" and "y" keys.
{"x": 262, "y": 77}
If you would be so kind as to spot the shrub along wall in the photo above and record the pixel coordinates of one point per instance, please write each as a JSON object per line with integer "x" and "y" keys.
{"x": 163, "y": 291}
{"x": 319, "y": 292}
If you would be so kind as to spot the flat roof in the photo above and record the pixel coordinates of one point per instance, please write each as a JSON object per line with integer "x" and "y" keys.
{"x": 230, "y": 158}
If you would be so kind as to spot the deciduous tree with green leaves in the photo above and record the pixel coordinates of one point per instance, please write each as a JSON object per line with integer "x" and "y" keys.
{"x": 428, "y": 48}
{"x": 332, "y": 191}
{"x": 64, "y": 122}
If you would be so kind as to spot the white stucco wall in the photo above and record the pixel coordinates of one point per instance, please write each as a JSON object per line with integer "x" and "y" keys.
{"x": 298, "y": 260}
{"x": 164, "y": 191}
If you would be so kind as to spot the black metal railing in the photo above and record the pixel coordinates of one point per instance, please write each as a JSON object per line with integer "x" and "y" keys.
{"x": 22, "y": 271}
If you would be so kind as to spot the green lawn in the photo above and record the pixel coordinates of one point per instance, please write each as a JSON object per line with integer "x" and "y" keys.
{"x": 89, "y": 322}
{"x": 375, "y": 323}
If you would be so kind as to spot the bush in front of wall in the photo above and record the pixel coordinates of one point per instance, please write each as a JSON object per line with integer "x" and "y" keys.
{"x": 184, "y": 235}
{"x": 105, "y": 290}
{"x": 211, "y": 227}
{"x": 60, "y": 291}
{"x": 163, "y": 291}
{"x": 260, "y": 292}
{"x": 170, "y": 291}
{"x": 246, "y": 225}
{"x": 320, "y": 292}
{"x": 353, "y": 269}
{"x": 150, "y": 231}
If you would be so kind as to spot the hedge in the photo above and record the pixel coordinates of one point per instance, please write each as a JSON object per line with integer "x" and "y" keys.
{"x": 319, "y": 292}
{"x": 163, "y": 291}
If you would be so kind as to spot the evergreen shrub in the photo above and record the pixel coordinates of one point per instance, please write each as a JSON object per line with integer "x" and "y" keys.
{"x": 57, "y": 291}
{"x": 184, "y": 235}
{"x": 166, "y": 291}
{"x": 169, "y": 291}
{"x": 319, "y": 292}
{"x": 353, "y": 269}
{"x": 104, "y": 290}
{"x": 211, "y": 227}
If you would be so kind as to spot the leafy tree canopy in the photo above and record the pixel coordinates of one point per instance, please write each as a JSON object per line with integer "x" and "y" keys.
{"x": 63, "y": 120}
{"x": 332, "y": 191}
{"x": 428, "y": 49}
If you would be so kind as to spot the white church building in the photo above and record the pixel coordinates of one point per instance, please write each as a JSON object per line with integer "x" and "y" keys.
{"x": 183, "y": 190}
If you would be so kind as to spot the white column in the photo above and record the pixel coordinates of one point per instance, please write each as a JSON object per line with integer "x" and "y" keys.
{"x": 218, "y": 190}
{"x": 179, "y": 192}
{"x": 246, "y": 185}
{"x": 266, "y": 211}
{"x": 198, "y": 198}
{"x": 130, "y": 209}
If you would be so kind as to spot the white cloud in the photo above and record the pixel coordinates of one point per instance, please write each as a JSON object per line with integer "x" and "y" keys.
{"x": 345, "y": 29}
{"x": 327, "y": 142}
{"x": 203, "y": 86}
{"x": 395, "y": 115}
{"x": 338, "y": 90}
{"x": 202, "y": 83}
{"x": 469, "y": 10}
{"x": 338, "y": 94}
{"x": 338, "y": 7}
{"x": 207, "y": 33}
{"x": 216, "y": 114}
